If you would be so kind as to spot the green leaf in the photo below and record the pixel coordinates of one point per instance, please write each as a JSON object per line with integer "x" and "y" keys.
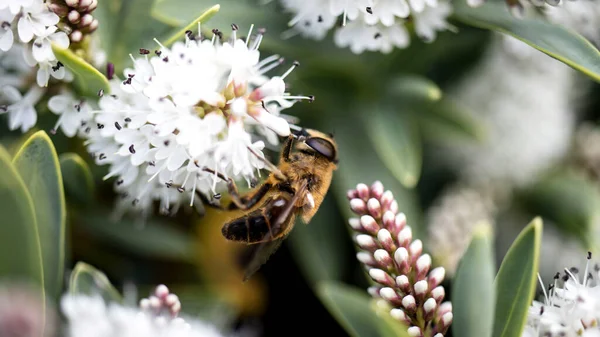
{"x": 516, "y": 280}
{"x": 205, "y": 16}
{"x": 38, "y": 165}
{"x": 154, "y": 238}
{"x": 320, "y": 261}
{"x": 360, "y": 164}
{"x": 20, "y": 254}
{"x": 554, "y": 40}
{"x": 352, "y": 308}
{"x": 88, "y": 80}
{"x": 88, "y": 280}
{"x": 473, "y": 293}
{"x": 414, "y": 88}
{"x": 446, "y": 121}
{"x": 568, "y": 200}
{"x": 77, "y": 177}
{"x": 396, "y": 140}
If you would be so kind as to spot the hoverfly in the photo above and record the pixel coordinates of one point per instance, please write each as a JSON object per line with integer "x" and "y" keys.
{"x": 296, "y": 187}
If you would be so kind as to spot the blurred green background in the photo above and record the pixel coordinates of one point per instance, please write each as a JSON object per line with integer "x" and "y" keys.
{"x": 408, "y": 119}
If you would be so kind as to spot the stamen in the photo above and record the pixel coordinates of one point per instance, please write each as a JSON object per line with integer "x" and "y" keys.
{"x": 249, "y": 34}
{"x": 267, "y": 60}
{"x": 271, "y": 66}
{"x": 543, "y": 288}
{"x": 289, "y": 71}
{"x": 259, "y": 38}
{"x": 234, "y": 29}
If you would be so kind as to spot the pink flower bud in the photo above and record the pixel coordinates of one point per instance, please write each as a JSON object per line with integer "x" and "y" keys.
{"x": 374, "y": 208}
{"x": 377, "y": 189}
{"x": 369, "y": 224}
{"x": 415, "y": 249}
{"x": 374, "y": 291}
{"x": 420, "y": 288}
{"x": 363, "y": 191}
{"x": 390, "y": 295}
{"x": 383, "y": 258}
{"x": 415, "y": 331}
{"x": 422, "y": 266}
{"x": 351, "y": 194}
{"x": 366, "y": 258}
{"x": 402, "y": 259}
{"x": 405, "y": 237}
{"x": 429, "y": 308}
{"x": 161, "y": 291}
{"x": 381, "y": 277}
{"x": 385, "y": 238}
{"x": 358, "y": 206}
{"x": 394, "y": 207}
{"x": 444, "y": 308}
{"x": 366, "y": 242}
{"x": 388, "y": 220}
{"x": 355, "y": 224}
{"x": 436, "y": 276}
{"x": 399, "y": 315}
{"x": 403, "y": 283}
{"x": 386, "y": 200}
{"x": 409, "y": 303}
{"x": 438, "y": 294}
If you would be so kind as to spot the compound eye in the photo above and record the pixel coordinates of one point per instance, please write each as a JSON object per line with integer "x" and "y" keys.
{"x": 322, "y": 146}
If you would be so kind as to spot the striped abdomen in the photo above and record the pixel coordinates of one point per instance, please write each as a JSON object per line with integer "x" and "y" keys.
{"x": 264, "y": 224}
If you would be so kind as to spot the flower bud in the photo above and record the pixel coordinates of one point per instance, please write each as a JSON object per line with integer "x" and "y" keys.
{"x": 436, "y": 276}
{"x": 355, "y": 224}
{"x": 161, "y": 291}
{"x": 381, "y": 277}
{"x": 383, "y": 258}
{"x": 405, "y": 237}
{"x": 377, "y": 189}
{"x": 415, "y": 331}
{"x": 390, "y": 295}
{"x": 363, "y": 191}
{"x": 403, "y": 283}
{"x": 358, "y": 206}
{"x": 366, "y": 258}
{"x": 420, "y": 289}
{"x": 415, "y": 249}
{"x": 385, "y": 239}
{"x": 369, "y": 224}
{"x": 438, "y": 294}
{"x": 422, "y": 266}
{"x": 386, "y": 200}
{"x": 402, "y": 259}
{"x": 374, "y": 208}
{"x": 366, "y": 242}
{"x": 409, "y": 303}
{"x": 399, "y": 315}
{"x": 429, "y": 308}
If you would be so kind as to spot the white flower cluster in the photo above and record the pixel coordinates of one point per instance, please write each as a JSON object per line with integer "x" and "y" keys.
{"x": 182, "y": 116}
{"x": 91, "y": 316}
{"x": 373, "y": 25}
{"x": 571, "y": 310}
{"x": 35, "y": 28}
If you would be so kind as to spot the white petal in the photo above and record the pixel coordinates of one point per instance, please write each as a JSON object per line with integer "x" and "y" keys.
{"x": 58, "y": 104}
{"x": 43, "y": 75}
{"x": 11, "y": 94}
{"x": 25, "y": 30}
{"x": 6, "y": 39}
{"x": 60, "y": 39}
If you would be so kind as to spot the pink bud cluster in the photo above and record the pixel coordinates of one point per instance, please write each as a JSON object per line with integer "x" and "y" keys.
{"x": 76, "y": 17}
{"x": 161, "y": 304}
{"x": 396, "y": 262}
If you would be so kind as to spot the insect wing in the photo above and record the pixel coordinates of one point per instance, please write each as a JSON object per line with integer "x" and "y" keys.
{"x": 260, "y": 253}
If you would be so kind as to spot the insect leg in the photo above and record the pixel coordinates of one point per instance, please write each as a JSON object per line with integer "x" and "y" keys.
{"x": 278, "y": 174}
{"x": 287, "y": 148}
{"x": 240, "y": 202}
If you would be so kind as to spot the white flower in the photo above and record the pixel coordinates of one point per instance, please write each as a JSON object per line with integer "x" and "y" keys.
{"x": 90, "y": 316}
{"x": 570, "y": 310}
{"x": 73, "y": 112}
{"x": 14, "y": 6}
{"x": 34, "y": 20}
{"x": 369, "y": 25}
{"x": 184, "y": 112}
{"x": 21, "y": 109}
{"x": 6, "y": 33}
{"x": 42, "y": 46}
